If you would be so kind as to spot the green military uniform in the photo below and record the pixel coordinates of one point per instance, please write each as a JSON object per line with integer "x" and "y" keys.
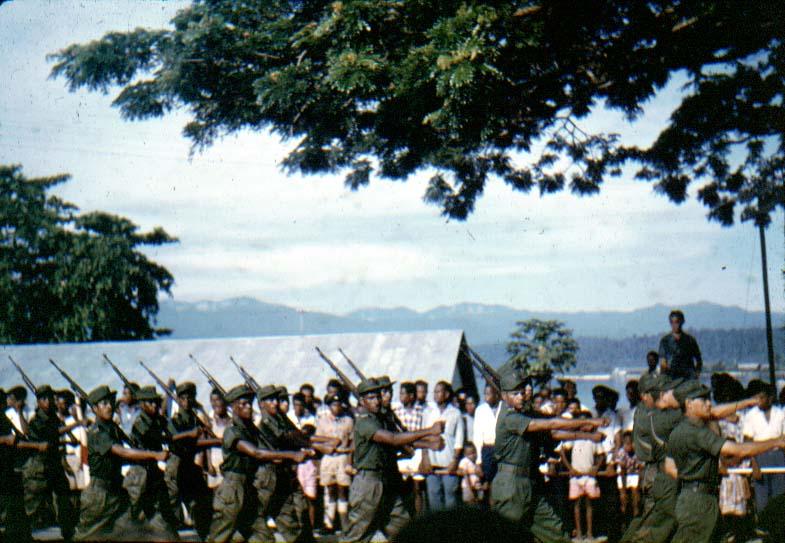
{"x": 43, "y": 473}
{"x": 145, "y": 482}
{"x": 659, "y": 521}
{"x": 644, "y": 448}
{"x": 376, "y": 493}
{"x": 517, "y": 492}
{"x": 104, "y": 503}
{"x": 236, "y": 502}
{"x": 696, "y": 449}
{"x": 277, "y": 487}
{"x": 17, "y": 525}
{"x": 185, "y": 481}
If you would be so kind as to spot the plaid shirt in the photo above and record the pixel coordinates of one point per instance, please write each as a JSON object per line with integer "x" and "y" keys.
{"x": 411, "y": 417}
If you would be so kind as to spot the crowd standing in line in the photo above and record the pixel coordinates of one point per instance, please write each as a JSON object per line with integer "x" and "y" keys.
{"x": 663, "y": 467}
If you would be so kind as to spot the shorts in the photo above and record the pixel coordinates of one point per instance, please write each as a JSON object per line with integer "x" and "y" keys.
{"x": 584, "y": 486}
{"x": 632, "y": 481}
{"x": 306, "y": 474}
{"x": 332, "y": 470}
{"x": 410, "y": 467}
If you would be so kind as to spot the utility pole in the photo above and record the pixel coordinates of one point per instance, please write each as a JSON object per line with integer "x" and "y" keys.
{"x": 769, "y": 336}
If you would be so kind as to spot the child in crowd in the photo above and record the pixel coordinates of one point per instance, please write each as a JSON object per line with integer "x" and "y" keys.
{"x": 471, "y": 484}
{"x": 629, "y": 468}
{"x": 583, "y": 459}
{"x": 307, "y": 473}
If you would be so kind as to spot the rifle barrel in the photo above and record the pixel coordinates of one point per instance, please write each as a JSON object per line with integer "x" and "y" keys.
{"x": 352, "y": 364}
{"x": 25, "y": 378}
{"x": 341, "y": 375}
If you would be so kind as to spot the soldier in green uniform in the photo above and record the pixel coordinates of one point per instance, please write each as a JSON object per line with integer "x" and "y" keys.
{"x": 236, "y": 503}
{"x": 376, "y": 494}
{"x": 12, "y": 509}
{"x": 278, "y": 490}
{"x": 104, "y": 503}
{"x": 695, "y": 451}
{"x": 642, "y": 441}
{"x": 145, "y": 481}
{"x": 43, "y": 474}
{"x": 185, "y": 481}
{"x": 517, "y": 493}
{"x": 658, "y": 524}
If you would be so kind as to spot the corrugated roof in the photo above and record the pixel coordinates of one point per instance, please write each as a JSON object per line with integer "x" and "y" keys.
{"x": 284, "y": 360}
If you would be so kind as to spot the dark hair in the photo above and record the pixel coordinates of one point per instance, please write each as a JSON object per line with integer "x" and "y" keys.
{"x": 447, "y": 387}
{"x": 334, "y": 383}
{"x": 409, "y": 387}
{"x": 558, "y": 392}
{"x": 632, "y": 383}
{"x": 307, "y": 386}
{"x": 655, "y": 354}
{"x": 626, "y": 434}
{"x": 472, "y": 395}
{"x": 298, "y": 397}
{"x": 574, "y": 400}
{"x": 468, "y": 444}
{"x": 676, "y": 313}
{"x": 421, "y": 383}
{"x": 216, "y": 392}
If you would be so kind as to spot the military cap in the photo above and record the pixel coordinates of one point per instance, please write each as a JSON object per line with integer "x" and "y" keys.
{"x": 19, "y": 392}
{"x": 672, "y": 383}
{"x": 513, "y": 380}
{"x": 65, "y": 393}
{"x": 648, "y": 382}
{"x": 385, "y": 382}
{"x": 238, "y": 392}
{"x": 101, "y": 393}
{"x": 147, "y": 394}
{"x": 186, "y": 387}
{"x": 332, "y": 398}
{"x": 689, "y": 390}
{"x": 267, "y": 392}
{"x": 367, "y": 386}
{"x": 44, "y": 391}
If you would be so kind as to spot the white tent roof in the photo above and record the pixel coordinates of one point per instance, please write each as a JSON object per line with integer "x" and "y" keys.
{"x": 284, "y": 360}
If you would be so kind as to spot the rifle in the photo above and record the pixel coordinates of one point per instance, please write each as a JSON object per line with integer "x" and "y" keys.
{"x": 210, "y": 379}
{"x": 25, "y": 378}
{"x": 247, "y": 377}
{"x": 79, "y": 391}
{"x": 491, "y": 376}
{"x": 351, "y": 387}
{"x": 122, "y": 377}
{"x": 173, "y": 397}
{"x": 352, "y": 364}
{"x": 395, "y": 418}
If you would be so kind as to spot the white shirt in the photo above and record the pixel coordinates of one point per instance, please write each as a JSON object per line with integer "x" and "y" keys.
{"x": 301, "y": 421}
{"x": 13, "y": 416}
{"x": 757, "y": 428}
{"x": 608, "y": 444}
{"x": 485, "y": 418}
{"x": 627, "y": 416}
{"x": 452, "y": 435}
{"x": 583, "y": 454}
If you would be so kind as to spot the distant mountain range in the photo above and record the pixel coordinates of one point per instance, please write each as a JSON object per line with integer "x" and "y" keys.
{"x": 483, "y": 324}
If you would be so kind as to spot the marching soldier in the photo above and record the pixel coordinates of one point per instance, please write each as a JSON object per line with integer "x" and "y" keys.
{"x": 657, "y": 525}
{"x": 104, "y": 502}
{"x": 185, "y": 480}
{"x": 17, "y": 525}
{"x": 145, "y": 481}
{"x": 236, "y": 503}
{"x": 517, "y": 490}
{"x": 278, "y": 490}
{"x": 43, "y": 473}
{"x": 695, "y": 451}
{"x": 376, "y": 494}
{"x": 642, "y": 441}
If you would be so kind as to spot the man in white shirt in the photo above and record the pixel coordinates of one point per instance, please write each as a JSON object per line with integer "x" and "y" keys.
{"x": 759, "y": 424}
{"x": 604, "y": 400}
{"x": 18, "y": 412}
{"x": 485, "y": 432}
{"x": 443, "y": 487}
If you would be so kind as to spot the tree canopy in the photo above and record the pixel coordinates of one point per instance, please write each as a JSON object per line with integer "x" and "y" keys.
{"x": 541, "y": 348}
{"x": 66, "y": 276}
{"x": 471, "y": 90}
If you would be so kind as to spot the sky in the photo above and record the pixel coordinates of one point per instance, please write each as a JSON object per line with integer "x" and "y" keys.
{"x": 245, "y": 228}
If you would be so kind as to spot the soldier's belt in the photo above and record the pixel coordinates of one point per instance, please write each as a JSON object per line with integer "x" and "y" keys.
{"x": 512, "y": 469}
{"x": 699, "y": 487}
